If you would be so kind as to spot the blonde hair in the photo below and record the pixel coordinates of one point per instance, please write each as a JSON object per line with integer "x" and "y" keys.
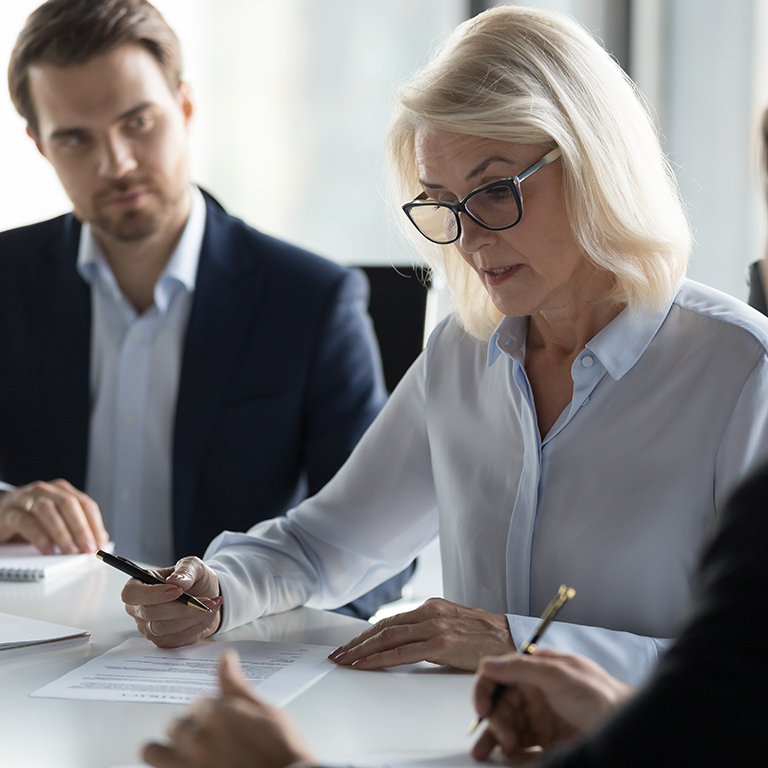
{"x": 536, "y": 77}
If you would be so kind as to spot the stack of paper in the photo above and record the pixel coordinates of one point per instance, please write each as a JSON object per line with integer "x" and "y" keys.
{"x": 17, "y": 633}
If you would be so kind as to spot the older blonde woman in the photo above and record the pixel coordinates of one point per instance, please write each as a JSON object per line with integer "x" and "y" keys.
{"x": 580, "y": 418}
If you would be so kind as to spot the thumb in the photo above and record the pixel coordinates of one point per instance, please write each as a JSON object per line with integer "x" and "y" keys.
{"x": 231, "y": 678}
{"x": 186, "y": 572}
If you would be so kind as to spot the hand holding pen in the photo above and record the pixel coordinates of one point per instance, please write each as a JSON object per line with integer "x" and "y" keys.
{"x": 160, "y": 601}
{"x": 146, "y": 577}
{"x": 563, "y": 595}
{"x": 549, "y": 697}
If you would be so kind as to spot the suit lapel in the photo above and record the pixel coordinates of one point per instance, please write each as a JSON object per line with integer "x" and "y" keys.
{"x": 226, "y": 296}
{"x": 61, "y": 307}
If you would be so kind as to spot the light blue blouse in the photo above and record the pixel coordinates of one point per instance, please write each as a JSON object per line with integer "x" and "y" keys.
{"x": 669, "y": 412}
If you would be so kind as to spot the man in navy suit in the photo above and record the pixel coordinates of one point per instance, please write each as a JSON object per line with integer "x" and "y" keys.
{"x": 179, "y": 372}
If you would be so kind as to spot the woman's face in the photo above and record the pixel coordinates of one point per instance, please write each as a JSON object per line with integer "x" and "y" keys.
{"x": 536, "y": 265}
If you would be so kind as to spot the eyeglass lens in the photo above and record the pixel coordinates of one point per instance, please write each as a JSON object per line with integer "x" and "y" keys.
{"x": 495, "y": 207}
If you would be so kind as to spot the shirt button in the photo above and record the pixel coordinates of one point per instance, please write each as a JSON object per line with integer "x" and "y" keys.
{"x": 126, "y": 495}
{"x": 137, "y": 336}
{"x": 587, "y": 361}
{"x": 129, "y": 418}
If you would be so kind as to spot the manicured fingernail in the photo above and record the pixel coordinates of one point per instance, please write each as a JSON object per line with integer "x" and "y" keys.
{"x": 70, "y": 548}
{"x": 172, "y": 592}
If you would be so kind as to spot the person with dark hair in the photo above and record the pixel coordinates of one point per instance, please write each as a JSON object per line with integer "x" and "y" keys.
{"x": 704, "y": 705}
{"x": 177, "y": 372}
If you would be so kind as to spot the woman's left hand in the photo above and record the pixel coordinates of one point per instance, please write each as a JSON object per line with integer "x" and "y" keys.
{"x": 234, "y": 730}
{"x": 438, "y": 631}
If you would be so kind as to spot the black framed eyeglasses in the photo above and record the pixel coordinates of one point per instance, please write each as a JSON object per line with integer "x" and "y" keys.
{"x": 497, "y": 205}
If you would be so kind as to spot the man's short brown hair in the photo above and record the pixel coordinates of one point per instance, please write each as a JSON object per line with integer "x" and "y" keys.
{"x": 63, "y": 33}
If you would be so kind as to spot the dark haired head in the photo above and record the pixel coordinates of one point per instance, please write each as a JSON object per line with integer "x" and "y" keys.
{"x": 64, "y": 33}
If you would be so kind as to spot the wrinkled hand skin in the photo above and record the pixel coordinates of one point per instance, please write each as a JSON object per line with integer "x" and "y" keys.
{"x": 54, "y": 516}
{"x": 234, "y": 730}
{"x": 167, "y": 622}
{"x": 438, "y": 631}
{"x": 549, "y": 697}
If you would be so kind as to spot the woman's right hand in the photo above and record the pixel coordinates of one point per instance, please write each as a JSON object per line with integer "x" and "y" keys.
{"x": 549, "y": 698}
{"x": 167, "y": 622}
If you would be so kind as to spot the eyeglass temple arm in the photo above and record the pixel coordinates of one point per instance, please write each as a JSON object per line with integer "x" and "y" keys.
{"x": 546, "y": 160}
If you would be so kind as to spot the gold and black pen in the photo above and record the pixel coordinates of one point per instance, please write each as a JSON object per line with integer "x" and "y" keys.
{"x": 133, "y": 570}
{"x": 563, "y": 595}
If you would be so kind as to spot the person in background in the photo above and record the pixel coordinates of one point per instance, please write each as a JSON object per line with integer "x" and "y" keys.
{"x": 180, "y": 372}
{"x": 758, "y": 271}
{"x": 705, "y": 704}
{"x": 582, "y": 416}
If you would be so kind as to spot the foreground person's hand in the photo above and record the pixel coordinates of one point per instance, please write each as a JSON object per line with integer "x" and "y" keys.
{"x": 234, "y": 730}
{"x": 438, "y": 631}
{"x": 167, "y": 622}
{"x": 549, "y": 698}
{"x": 52, "y": 516}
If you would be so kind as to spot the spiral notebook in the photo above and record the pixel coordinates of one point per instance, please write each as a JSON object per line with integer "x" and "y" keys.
{"x": 23, "y": 562}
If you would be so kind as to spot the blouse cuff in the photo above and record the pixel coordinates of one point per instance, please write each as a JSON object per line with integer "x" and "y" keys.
{"x": 626, "y": 656}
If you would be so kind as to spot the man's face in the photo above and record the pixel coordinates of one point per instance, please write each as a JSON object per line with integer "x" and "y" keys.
{"x": 118, "y": 140}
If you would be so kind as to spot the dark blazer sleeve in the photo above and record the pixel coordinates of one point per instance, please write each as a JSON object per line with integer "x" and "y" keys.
{"x": 45, "y": 320}
{"x": 706, "y": 703}
{"x": 345, "y": 386}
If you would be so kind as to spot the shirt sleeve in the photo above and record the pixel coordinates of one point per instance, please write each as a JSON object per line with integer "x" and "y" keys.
{"x": 6, "y": 487}
{"x": 626, "y": 656}
{"x": 744, "y": 446}
{"x": 364, "y": 526}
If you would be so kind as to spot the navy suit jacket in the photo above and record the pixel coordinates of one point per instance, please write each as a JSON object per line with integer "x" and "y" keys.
{"x": 280, "y": 373}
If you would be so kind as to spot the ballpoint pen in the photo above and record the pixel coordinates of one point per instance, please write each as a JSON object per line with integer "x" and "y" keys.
{"x": 563, "y": 595}
{"x": 131, "y": 569}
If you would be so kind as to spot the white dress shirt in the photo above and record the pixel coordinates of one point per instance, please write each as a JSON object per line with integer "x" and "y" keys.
{"x": 135, "y": 368}
{"x": 669, "y": 412}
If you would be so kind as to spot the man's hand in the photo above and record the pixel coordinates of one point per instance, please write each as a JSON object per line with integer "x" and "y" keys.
{"x": 163, "y": 620}
{"x": 50, "y": 516}
{"x": 549, "y": 697}
{"x": 438, "y": 631}
{"x": 234, "y": 730}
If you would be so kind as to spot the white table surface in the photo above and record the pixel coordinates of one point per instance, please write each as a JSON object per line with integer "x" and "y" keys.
{"x": 347, "y": 712}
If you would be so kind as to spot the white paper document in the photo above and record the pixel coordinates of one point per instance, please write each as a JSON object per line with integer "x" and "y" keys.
{"x": 399, "y": 760}
{"x": 138, "y": 671}
{"x": 19, "y": 635}
{"x": 405, "y": 760}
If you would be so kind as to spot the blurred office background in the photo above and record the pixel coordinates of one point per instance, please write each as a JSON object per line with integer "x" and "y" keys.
{"x": 293, "y": 101}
